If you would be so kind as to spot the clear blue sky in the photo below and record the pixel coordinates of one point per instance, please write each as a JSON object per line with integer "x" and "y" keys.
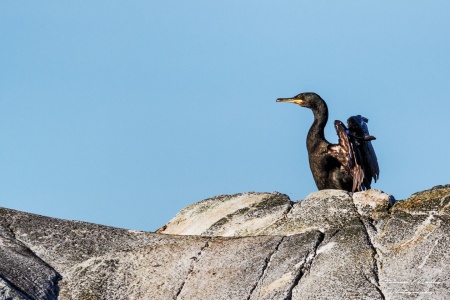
{"x": 123, "y": 113}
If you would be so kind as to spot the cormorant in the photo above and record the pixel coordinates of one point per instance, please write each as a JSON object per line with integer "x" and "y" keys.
{"x": 349, "y": 165}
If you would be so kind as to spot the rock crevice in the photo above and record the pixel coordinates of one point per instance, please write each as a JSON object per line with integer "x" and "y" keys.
{"x": 371, "y": 232}
{"x": 376, "y": 259}
{"x": 266, "y": 264}
{"x": 10, "y": 291}
{"x": 191, "y": 267}
{"x": 306, "y": 265}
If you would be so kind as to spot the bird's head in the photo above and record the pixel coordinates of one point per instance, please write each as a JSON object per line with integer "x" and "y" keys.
{"x": 310, "y": 100}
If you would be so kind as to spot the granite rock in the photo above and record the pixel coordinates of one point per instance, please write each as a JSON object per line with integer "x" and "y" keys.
{"x": 332, "y": 245}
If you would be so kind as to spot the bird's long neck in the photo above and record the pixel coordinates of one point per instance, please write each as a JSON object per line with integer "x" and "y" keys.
{"x": 316, "y": 133}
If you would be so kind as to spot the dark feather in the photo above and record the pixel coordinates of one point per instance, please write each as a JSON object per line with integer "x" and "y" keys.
{"x": 355, "y": 152}
{"x": 348, "y": 156}
{"x": 360, "y": 138}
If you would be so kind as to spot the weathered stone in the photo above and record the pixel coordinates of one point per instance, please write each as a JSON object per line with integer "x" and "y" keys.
{"x": 22, "y": 273}
{"x": 229, "y": 215}
{"x": 415, "y": 246}
{"x": 284, "y": 270}
{"x": 343, "y": 265}
{"x": 242, "y": 263}
{"x": 157, "y": 271}
{"x": 332, "y": 245}
{"x": 7, "y": 292}
{"x": 372, "y": 203}
{"x": 324, "y": 210}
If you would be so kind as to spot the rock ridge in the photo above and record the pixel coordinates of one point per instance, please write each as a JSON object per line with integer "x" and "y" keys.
{"x": 333, "y": 244}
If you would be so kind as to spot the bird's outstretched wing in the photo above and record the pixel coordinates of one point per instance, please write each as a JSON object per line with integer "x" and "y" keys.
{"x": 355, "y": 152}
{"x": 360, "y": 137}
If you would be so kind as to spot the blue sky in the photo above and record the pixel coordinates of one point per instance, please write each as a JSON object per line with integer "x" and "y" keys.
{"x": 123, "y": 113}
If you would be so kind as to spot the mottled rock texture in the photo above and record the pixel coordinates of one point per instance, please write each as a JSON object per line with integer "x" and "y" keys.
{"x": 332, "y": 245}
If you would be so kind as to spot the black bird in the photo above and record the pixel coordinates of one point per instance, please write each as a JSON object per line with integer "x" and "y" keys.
{"x": 349, "y": 165}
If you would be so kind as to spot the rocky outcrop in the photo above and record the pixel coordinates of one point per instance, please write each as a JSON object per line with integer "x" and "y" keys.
{"x": 230, "y": 215}
{"x": 332, "y": 245}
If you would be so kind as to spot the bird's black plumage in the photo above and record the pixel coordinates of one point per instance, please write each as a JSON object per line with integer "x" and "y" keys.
{"x": 349, "y": 165}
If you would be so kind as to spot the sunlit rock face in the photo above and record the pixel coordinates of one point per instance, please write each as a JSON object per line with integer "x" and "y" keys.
{"x": 332, "y": 245}
{"x": 230, "y": 215}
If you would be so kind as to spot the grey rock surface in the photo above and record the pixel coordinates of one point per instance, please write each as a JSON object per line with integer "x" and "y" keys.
{"x": 332, "y": 245}
{"x": 230, "y": 215}
{"x": 10, "y": 293}
{"x": 24, "y": 275}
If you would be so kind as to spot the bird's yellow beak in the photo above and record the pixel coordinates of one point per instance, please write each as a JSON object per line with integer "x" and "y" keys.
{"x": 291, "y": 100}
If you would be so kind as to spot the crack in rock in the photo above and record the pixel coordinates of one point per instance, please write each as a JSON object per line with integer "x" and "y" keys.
{"x": 291, "y": 206}
{"x": 306, "y": 265}
{"x": 265, "y": 267}
{"x": 56, "y": 278}
{"x": 191, "y": 267}
{"x": 15, "y": 288}
{"x": 31, "y": 255}
{"x": 376, "y": 257}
